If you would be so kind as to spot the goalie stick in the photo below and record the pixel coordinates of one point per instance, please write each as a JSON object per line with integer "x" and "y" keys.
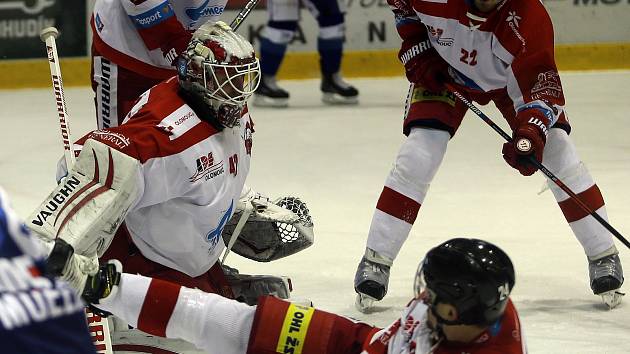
{"x": 543, "y": 169}
{"x": 98, "y": 326}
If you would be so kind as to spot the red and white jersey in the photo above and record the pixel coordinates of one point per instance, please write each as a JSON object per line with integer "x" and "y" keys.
{"x": 191, "y": 178}
{"x": 410, "y": 334}
{"x": 510, "y": 49}
{"x": 146, "y": 36}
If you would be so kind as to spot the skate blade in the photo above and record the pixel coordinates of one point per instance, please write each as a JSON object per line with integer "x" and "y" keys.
{"x": 364, "y": 303}
{"x": 612, "y": 298}
{"x": 264, "y": 101}
{"x": 337, "y": 99}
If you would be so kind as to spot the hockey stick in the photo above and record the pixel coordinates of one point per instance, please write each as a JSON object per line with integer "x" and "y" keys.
{"x": 48, "y": 36}
{"x": 543, "y": 169}
{"x": 97, "y": 325}
{"x": 240, "y": 17}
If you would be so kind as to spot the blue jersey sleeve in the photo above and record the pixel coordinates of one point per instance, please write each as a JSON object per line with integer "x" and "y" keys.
{"x": 38, "y": 314}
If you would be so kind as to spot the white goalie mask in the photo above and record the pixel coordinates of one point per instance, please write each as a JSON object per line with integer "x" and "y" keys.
{"x": 221, "y": 67}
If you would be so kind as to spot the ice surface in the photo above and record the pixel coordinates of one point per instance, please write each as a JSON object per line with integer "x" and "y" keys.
{"x": 336, "y": 159}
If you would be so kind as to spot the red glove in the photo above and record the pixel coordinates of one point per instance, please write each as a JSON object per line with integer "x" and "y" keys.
{"x": 528, "y": 140}
{"x": 423, "y": 65}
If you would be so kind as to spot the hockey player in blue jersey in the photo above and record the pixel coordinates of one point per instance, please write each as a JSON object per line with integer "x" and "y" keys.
{"x": 38, "y": 314}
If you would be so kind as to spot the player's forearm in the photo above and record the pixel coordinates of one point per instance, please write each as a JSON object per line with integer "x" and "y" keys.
{"x": 209, "y": 321}
{"x": 408, "y": 24}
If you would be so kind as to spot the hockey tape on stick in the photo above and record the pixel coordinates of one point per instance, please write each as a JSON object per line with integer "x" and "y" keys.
{"x": 240, "y": 17}
{"x": 542, "y": 168}
{"x": 97, "y": 325}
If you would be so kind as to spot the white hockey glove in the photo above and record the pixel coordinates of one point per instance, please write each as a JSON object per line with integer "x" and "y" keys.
{"x": 264, "y": 231}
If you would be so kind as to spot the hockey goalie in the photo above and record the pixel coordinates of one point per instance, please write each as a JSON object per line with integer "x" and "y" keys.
{"x": 165, "y": 192}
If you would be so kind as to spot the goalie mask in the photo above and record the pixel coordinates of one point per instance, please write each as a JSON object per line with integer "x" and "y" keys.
{"x": 474, "y": 276}
{"x": 220, "y": 67}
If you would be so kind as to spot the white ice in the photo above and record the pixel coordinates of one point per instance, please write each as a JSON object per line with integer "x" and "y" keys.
{"x": 336, "y": 159}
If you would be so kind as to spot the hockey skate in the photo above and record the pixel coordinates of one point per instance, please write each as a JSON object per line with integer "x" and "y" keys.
{"x": 247, "y": 288}
{"x": 371, "y": 279}
{"x": 269, "y": 94}
{"x": 606, "y": 277}
{"x": 337, "y": 91}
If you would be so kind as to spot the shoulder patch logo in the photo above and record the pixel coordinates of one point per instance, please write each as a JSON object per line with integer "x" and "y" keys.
{"x": 179, "y": 122}
{"x": 206, "y": 168}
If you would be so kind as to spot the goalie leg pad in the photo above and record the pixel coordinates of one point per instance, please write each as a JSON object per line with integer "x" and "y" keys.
{"x": 86, "y": 209}
{"x": 282, "y": 327}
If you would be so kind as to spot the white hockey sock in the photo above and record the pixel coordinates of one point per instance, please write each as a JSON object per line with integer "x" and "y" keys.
{"x": 406, "y": 186}
{"x": 561, "y": 158}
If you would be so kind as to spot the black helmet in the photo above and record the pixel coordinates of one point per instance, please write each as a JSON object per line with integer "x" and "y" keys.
{"x": 474, "y": 276}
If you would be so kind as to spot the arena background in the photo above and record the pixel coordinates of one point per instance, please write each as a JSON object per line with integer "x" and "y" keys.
{"x": 590, "y": 35}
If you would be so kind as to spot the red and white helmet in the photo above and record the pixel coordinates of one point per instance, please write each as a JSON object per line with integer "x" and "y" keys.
{"x": 220, "y": 66}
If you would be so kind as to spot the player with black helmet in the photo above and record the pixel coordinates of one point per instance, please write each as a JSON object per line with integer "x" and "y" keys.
{"x": 461, "y": 305}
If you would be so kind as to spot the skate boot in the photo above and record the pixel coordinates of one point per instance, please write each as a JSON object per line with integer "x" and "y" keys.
{"x": 337, "y": 91}
{"x": 606, "y": 277}
{"x": 269, "y": 94}
{"x": 247, "y": 288}
{"x": 371, "y": 279}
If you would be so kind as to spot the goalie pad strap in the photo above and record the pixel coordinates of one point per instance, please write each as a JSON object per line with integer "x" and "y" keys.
{"x": 87, "y": 208}
{"x": 282, "y": 327}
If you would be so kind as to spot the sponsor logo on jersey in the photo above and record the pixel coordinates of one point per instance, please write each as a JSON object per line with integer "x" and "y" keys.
{"x": 117, "y": 139}
{"x": 248, "y": 137}
{"x": 421, "y": 94}
{"x": 27, "y": 298}
{"x": 98, "y": 22}
{"x": 179, "y": 122}
{"x": 437, "y": 34}
{"x": 154, "y": 16}
{"x": 70, "y": 184}
{"x": 512, "y": 21}
{"x": 214, "y": 236}
{"x": 206, "y": 168}
{"x": 547, "y": 84}
{"x": 513, "y": 17}
{"x": 294, "y": 329}
{"x": 195, "y": 13}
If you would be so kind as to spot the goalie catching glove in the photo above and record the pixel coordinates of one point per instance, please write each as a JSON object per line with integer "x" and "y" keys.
{"x": 264, "y": 231}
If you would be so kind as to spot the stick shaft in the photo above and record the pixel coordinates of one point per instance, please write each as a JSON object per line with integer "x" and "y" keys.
{"x": 60, "y": 99}
{"x": 236, "y": 23}
{"x": 98, "y": 326}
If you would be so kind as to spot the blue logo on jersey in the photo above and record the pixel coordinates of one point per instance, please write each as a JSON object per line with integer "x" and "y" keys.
{"x": 156, "y": 15}
{"x": 99, "y": 22}
{"x": 194, "y": 13}
{"x": 214, "y": 236}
